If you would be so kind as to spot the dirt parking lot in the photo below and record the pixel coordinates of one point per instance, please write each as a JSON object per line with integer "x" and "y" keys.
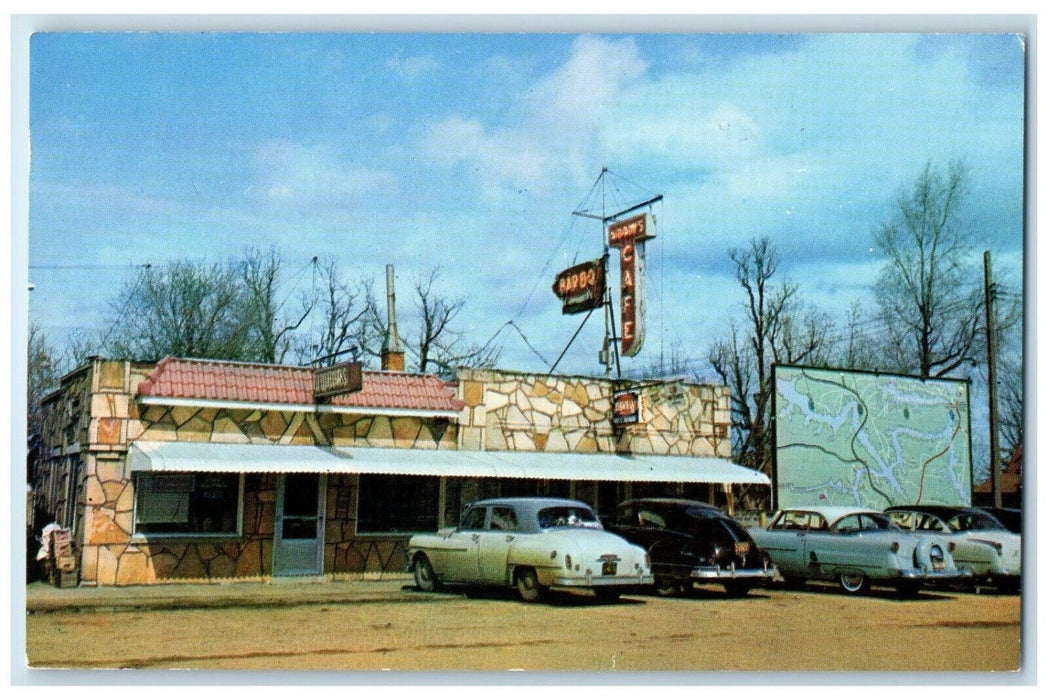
{"x": 818, "y": 629}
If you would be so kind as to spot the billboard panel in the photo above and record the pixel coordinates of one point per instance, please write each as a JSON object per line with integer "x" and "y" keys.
{"x": 871, "y": 440}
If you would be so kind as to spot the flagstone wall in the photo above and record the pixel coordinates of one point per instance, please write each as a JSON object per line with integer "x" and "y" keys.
{"x": 543, "y": 413}
{"x": 92, "y": 419}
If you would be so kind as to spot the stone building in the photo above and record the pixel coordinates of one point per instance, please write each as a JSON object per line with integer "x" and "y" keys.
{"x": 194, "y": 470}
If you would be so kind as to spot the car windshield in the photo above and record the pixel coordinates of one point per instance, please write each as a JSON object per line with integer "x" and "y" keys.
{"x": 567, "y": 516}
{"x": 962, "y": 522}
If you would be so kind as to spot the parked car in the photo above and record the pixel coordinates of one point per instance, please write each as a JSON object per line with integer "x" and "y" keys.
{"x": 691, "y": 542}
{"x": 1011, "y": 518}
{"x": 855, "y": 547}
{"x": 535, "y": 544}
{"x": 984, "y": 546}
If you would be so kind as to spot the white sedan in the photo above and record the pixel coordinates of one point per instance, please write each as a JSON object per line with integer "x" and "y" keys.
{"x": 534, "y": 544}
{"x": 982, "y": 544}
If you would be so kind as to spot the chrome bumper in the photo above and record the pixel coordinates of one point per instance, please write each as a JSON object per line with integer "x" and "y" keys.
{"x": 923, "y": 574}
{"x": 717, "y": 573}
{"x": 599, "y": 581}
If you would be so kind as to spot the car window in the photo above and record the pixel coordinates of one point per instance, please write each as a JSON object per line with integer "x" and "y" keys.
{"x": 473, "y": 519}
{"x": 503, "y": 518}
{"x": 962, "y": 522}
{"x": 875, "y": 521}
{"x": 649, "y": 518}
{"x": 849, "y": 523}
{"x": 567, "y": 516}
{"x": 903, "y": 519}
{"x": 929, "y": 523}
{"x": 793, "y": 520}
{"x": 626, "y": 516}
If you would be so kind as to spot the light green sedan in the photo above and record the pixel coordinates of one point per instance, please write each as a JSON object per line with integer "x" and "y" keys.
{"x": 855, "y": 547}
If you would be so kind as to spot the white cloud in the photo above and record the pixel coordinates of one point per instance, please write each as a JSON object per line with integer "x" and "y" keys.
{"x": 411, "y": 67}
{"x": 296, "y": 175}
{"x": 550, "y": 140}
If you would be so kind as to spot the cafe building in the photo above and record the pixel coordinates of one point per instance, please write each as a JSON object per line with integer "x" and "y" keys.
{"x": 191, "y": 470}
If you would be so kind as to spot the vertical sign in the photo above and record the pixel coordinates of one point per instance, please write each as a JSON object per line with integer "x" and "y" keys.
{"x": 628, "y": 236}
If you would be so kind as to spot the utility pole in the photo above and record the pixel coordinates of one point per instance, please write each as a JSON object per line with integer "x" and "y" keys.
{"x": 991, "y": 371}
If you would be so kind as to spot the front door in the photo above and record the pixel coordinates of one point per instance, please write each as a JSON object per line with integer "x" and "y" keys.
{"x": 298, "y": 533}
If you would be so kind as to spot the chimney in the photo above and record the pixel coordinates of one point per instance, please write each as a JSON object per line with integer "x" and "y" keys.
{"x": 392, "y": 355}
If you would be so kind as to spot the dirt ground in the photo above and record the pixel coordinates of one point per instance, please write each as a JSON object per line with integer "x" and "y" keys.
{"x": 770, "y": 630}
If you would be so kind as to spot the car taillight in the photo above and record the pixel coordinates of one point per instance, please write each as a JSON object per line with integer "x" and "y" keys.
{"x": 567, "y": 562}
{"x": 952, "y": 546}
{"x": 647, "y": 560}
{"x": 553, "y": 554}
{"x": 895, "y": 547}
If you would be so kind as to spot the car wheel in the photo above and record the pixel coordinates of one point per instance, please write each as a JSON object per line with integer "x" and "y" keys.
{"x": 425, "y": 579}
{"x": 737, "y": 589}
{"x": 908, "y": 589}
{"x": 667, "y": 586}
{"x": 528, "y": 586}
{"x": 607, "y": 596}
{"x": 854, "y": 583}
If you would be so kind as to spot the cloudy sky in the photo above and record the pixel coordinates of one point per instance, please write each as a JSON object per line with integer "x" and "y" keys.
{"x": 470, "y": 152}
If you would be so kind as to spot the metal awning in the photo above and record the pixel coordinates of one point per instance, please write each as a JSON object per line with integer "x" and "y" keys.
{"x": 235, "y": 458}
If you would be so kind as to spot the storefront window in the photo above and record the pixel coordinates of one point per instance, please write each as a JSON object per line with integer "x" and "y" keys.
{"x": 398, "y": 503}
{"x": 187, "y": 504}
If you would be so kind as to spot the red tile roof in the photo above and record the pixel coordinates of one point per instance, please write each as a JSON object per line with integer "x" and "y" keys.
{"x": 256, "y": 383}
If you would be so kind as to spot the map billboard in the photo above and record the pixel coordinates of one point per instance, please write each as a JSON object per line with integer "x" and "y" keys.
{"x": 866, "y": 439}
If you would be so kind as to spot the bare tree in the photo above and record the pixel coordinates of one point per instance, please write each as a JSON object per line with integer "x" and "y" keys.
{"x": 857, "y": 349}
{"x": 44, "y": 371}
{"x": 185, "y": 309}
{"x": 437, "y": 343}
{"x": 268, "y": 327}
{"x": 733, "y": 361}
{"x": 777, "y": 328}
{"x": 928, "y": 293}
{"x": 346, "y": 315}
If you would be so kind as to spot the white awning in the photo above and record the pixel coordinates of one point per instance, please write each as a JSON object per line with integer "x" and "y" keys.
{"x": 233, "y": 458}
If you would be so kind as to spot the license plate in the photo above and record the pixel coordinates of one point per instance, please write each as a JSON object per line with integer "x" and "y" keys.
{"x": 742, "y": 547}
{"x": 938, "y": 565}
{"x": 609, "y": 568}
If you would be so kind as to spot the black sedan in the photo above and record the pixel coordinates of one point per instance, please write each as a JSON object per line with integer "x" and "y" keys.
{"x": 691, "y": 542}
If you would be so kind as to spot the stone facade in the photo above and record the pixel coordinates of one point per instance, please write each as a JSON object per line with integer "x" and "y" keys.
{"x": 88, "y": 448}
{"x": 82, "y": 480}
{"x": 543, "y": 413}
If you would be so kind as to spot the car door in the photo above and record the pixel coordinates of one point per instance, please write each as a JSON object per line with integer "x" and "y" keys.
{"x": 850, "y": 545}
{"x": 494, "y": 544}
{"x": 786, "y": 542}
{"x": 463, "y": 552}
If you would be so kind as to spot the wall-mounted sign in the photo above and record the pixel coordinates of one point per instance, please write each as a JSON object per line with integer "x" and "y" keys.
{"x": 581, "y": 287}
{"x": 342, "y": 378}
{"x": 625, "y": 407}
{"x": 628, "y": 236}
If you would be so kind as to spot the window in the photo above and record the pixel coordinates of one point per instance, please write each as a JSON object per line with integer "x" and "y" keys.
{"x": 474, "y": 519}
{"x": 567, "y": 516}
{"x": 848, "y": 524}
{"x": 187, "y": 504}
{"x": 390, "y": 503}
{"x": 503, "y": 518}
{"x": 649, "y": 518}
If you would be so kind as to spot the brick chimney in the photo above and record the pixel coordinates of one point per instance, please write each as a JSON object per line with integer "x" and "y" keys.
{"x": 392, "y": 355}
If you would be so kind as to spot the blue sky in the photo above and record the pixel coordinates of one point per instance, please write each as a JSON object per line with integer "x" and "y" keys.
{"x": 470, "y": 151}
